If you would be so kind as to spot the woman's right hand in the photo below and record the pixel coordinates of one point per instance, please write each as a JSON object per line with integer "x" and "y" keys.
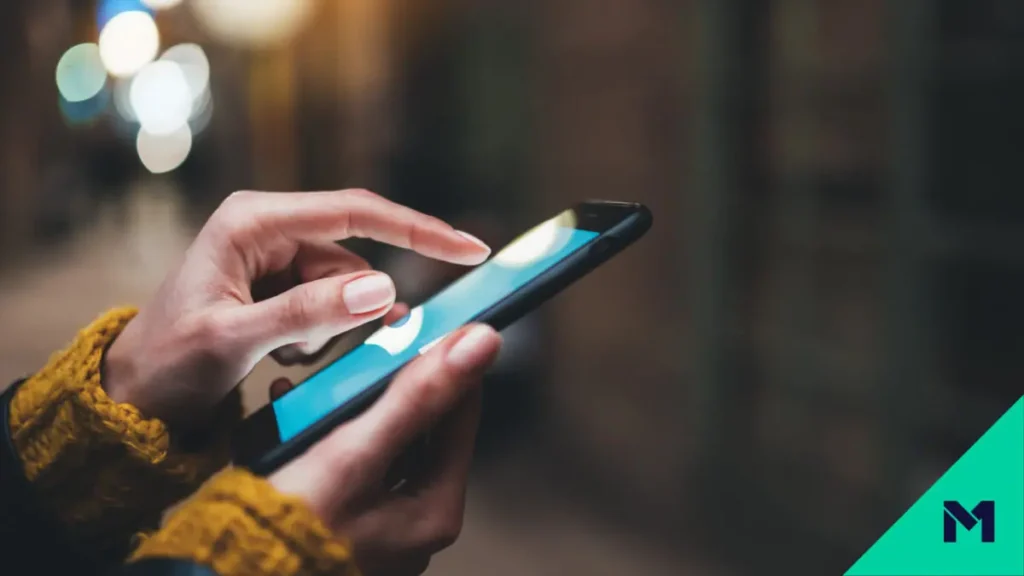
{"x": 264, "y": 275}
{"x": 343, "y": 477}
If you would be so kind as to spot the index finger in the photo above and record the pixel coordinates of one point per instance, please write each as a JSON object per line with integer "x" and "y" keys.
{"x": 331, "y": 216}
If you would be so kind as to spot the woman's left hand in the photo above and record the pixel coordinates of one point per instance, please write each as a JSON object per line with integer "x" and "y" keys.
{"x": 264, "y": 275}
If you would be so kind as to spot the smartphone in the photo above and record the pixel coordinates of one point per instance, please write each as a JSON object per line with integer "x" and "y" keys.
{"x": 515, "y": 280}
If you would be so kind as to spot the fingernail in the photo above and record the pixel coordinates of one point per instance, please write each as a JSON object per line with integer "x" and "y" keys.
{"x": 474, "y": 240}
{"x": 368, "y": 293}
{"x": 474, "y": 348}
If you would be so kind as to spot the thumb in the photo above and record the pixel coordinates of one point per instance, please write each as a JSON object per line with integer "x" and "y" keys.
{"x": 317, "y": 310}
{"x": 423, "y": 393}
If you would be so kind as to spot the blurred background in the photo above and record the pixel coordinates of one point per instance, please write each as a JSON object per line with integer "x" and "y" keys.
{"x": 826, "y": 314}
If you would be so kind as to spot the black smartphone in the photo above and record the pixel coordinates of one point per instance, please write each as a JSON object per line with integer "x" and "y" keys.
{"x": 514, "y": 281}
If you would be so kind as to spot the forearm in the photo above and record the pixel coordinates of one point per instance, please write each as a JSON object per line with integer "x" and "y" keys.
{"x": 103, "y": 469}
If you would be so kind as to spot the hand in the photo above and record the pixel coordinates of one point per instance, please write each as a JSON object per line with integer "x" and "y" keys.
{"x": 343, "y": 477}
{"x": 264, "y": 275}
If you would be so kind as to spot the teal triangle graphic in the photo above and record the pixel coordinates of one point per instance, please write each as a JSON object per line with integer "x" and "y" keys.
{"x": 992, "y": 470}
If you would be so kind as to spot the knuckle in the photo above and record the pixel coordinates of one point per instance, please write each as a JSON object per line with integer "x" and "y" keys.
{"x": 299, "y": 307}
{"x": 238, "y": 206}
{"x": 413, "y": 234}
{"x": 360, "y": 194}
{"x": 229, "y": 214}
{"x": 207, "y": 333}
{"x": 423, "y": 228}
{"x": 237, "y": 200}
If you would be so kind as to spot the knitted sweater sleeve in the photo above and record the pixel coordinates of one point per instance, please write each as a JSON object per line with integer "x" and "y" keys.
{"x": 108, "y": 473}
{"x": 102, "y": 468}
{"x": 239, "y": 525}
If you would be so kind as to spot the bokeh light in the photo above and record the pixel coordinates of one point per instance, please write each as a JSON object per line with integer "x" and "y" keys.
{"x": 80, "y": 73}
{"x": 202, "y": 113}
{"x": 160, "y": 97}
{"x": 84, "y": 112}
{"x": 162, "y": 153}
{"x": 107, "y": 9}
{"x": 252, "y": 22}
{"x": 122, "y": 100}
{"x": 161, "y": 4}
{"x": 194, "y": 63}
{"x": 129, "y": 41}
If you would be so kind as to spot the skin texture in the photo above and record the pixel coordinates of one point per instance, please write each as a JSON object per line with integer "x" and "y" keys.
{"x": 265, "y": 276}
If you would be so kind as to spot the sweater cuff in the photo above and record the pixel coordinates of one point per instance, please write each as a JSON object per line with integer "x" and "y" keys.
{"x": 101, "y": 467}
{"x": 239, "y": 525}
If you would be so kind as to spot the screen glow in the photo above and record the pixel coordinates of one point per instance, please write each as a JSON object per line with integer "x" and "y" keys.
{"x": 391, "y": 347}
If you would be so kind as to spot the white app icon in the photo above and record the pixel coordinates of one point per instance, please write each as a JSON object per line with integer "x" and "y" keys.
{"x": 395, "y": 339}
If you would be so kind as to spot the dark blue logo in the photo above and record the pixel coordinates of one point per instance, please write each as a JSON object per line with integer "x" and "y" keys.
{"x": 984, "y": 513}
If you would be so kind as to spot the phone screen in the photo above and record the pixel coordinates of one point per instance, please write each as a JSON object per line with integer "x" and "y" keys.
{"x": 391, "y": 347}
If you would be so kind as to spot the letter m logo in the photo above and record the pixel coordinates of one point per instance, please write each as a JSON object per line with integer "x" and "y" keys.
{"x": 984, "y": 513}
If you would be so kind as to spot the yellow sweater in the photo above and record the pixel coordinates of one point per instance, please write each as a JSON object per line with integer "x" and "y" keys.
{"x": 108, "y": 473}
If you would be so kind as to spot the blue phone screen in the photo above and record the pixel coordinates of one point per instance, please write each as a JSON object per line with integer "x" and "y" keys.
{"x": 391, "y": 347}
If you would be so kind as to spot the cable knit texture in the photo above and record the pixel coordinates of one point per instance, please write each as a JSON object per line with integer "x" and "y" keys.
{"x": 239, "y": 525}
{"x": 102, "y": 467}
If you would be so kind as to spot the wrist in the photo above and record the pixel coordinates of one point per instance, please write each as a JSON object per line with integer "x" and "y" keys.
{"x": 119, "y": 372}
{"x": 129, "y": 371}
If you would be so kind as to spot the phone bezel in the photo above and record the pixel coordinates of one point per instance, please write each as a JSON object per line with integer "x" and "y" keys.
{"x": 256, "y": 443}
